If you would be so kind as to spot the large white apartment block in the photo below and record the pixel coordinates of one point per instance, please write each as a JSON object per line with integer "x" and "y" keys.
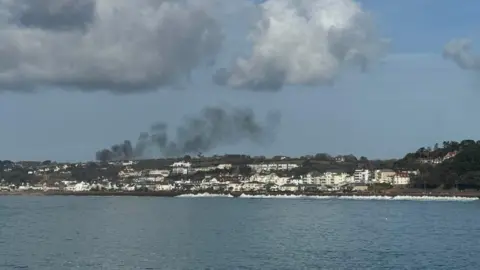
{"x": 361, "y": 176}
{"x": 265, "y": 167}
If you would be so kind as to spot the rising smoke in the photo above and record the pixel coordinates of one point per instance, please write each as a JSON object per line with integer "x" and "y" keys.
{"x": 214, "y": 127}
{"x": 459, "y": 51}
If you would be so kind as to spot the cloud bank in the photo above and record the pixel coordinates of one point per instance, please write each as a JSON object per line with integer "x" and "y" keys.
{"x": 211, "y": 128}
{"x": 126, "y": 46}
{"x": 122, "y": 46}
{"x": 304, "y": 42}
{"x": 459, "y": 51}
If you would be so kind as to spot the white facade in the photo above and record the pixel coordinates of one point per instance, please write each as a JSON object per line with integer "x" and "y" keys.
{"x": 384, "y": 176}
{"x": 253, "y": 186}
{"x": 163, "y": 173}
{"x": 129, "y": 173}
{"x": 164, "y": 187}
{"x": 224, "y": 166}
{"x": 401, "y": 179}
{"x": 289, "y": 188}
{"x": 335, "y": 178}
{"x": 265, "y": 167}
{"x": 182, "y": 164}
{"x": 269, "y": 179}
{"x": 181, "y": 167}
{"x": 361, "y": 176}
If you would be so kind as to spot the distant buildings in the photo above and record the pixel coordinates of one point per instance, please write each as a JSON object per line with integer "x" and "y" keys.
{"x": 439, "y": 160}
{"x": 281, "y": 175}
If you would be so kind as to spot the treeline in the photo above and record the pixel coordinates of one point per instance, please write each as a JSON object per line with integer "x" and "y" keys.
{"x": 461, "y": 171}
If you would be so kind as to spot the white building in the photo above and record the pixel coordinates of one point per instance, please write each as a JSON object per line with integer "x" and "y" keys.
{"x": 181, "y": 167}
{"x": 266, "y": 167}
{"x": 129, "y": 173}
{"x": 224, "y": 166}
{"x": 401, "y": 179}
{"x": 82, "y": 186}
{"x": 335, "y": 178}
{"x": 313, "y": 178}
{"x": 204, "y": 169}
{"x": 384, "y": 176}
{"x": 163, "y": 173}
{"x": 289, "y": 188}
{"x": 361, "y": 176}
{"x": 164, "y": 187}
{"x": 269, "y": 179}
{"x": 253, "y": 186}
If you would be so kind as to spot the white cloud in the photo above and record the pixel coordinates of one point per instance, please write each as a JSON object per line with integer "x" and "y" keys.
{"x": 459, "y": 51}
{"x": 305, "y": 42}
{"x": 127, "y": 46}
{"x": 117, "y": 45}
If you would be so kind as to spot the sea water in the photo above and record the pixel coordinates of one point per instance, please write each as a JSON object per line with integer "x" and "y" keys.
{"x": 238, "y": 233}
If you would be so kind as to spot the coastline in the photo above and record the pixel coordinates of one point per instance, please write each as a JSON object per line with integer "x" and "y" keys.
{"x": 173, "y": 194}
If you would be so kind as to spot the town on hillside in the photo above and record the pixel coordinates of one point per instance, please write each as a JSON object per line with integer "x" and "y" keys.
{"x": 447, "y": 166}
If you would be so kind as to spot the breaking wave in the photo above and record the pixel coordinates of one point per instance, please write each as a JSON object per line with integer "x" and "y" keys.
{"x": 204, "y": 195}
{"x": 391, "y": 198}
{"x": 352, "y": 197}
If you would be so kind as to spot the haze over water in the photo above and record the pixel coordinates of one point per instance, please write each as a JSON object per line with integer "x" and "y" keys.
{"x": 225, "y": 233}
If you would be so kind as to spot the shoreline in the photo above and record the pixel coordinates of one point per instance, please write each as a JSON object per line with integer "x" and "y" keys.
{"x": 173, "y": 194}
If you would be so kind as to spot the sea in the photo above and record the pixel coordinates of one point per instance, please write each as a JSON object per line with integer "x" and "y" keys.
{"x": 208, "y": 232}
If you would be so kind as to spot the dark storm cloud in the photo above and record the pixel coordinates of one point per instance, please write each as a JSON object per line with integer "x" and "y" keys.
{"x": 57, "y": 15}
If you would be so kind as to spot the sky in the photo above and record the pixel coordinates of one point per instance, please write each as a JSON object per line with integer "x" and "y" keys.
{"x": 55, "y": 104}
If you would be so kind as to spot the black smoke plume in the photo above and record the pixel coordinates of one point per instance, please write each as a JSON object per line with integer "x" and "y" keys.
{"x": 212, "y": 128}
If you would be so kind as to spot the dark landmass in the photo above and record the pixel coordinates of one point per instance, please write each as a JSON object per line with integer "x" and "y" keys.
{"x": 460, "y": 172}
{"x": 391, "y": 193}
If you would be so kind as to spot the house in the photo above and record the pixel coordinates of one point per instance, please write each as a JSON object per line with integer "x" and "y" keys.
{"x": 384, "y": 176}
{"x": 253, "y": 186}
{"x": 82, "y": 186}
{"x": 450, "y": 155}
{"x": 181, "y": 167}
{"x": 273, "y": 187}
{"x": 285, "y": 166}
{"x": 204, "y": 169}
{"x": 128, "y": 172}
{"x": 269, "y": 179}
{"x": 334, "y": 177}
{"x": 164, "y": 187}
{"x": 312, "y": 178}
{"x": 162, "y": 173}
{"x": 360, "y": 187}
{"x": 127, "y": 163}
{"x": 224, "y": 166}
{"x": 289, "y": 188}
{"x": 208, "y": 183}
{"x": 401, "y": 179}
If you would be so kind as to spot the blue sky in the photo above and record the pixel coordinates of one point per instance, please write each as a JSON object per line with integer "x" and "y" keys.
{"x": 414, "y": 98}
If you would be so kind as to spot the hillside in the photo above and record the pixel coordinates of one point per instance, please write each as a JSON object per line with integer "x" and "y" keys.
{"x": 451, "y": 165}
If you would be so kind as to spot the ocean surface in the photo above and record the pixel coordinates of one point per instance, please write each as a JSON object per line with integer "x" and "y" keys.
{"x": 242, "y": 233}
